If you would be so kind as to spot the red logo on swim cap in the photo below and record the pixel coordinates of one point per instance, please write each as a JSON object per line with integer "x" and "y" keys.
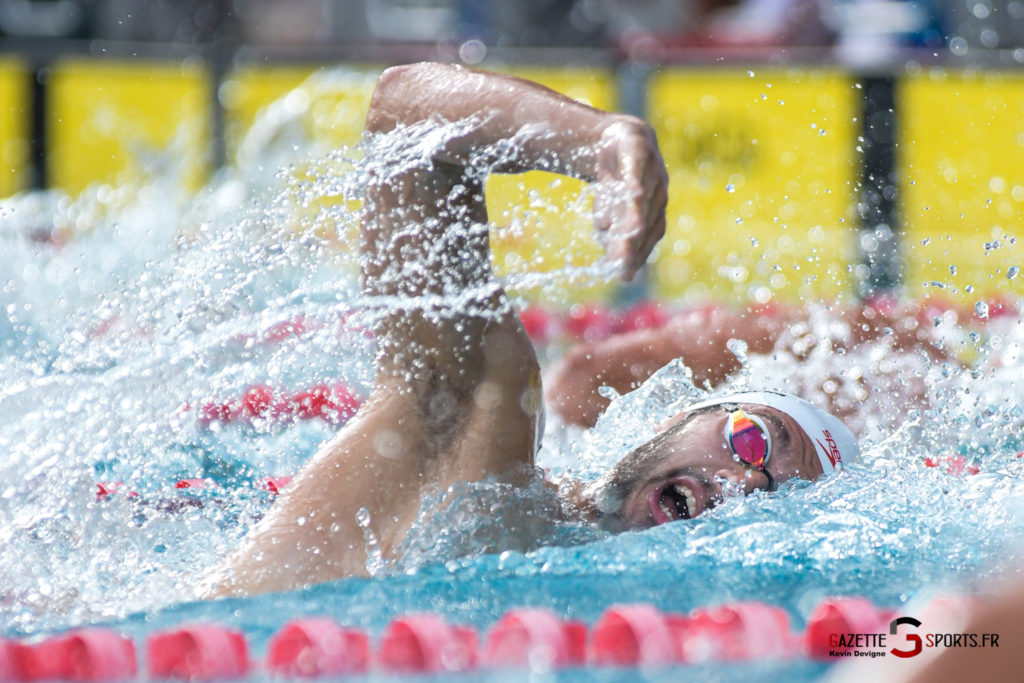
{"x": 832, "y": 450}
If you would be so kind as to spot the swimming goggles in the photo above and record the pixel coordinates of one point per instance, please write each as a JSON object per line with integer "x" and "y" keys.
{"x": 749, "y": 439}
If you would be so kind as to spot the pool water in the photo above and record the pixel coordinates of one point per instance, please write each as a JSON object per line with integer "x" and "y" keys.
{"x": 131, "y": 312}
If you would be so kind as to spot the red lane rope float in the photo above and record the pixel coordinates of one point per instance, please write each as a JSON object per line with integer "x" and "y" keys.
{"x": 335, "y": 403}
{"x": 317, "y": 647}
{"x": 425, "y": 643}
{"x": 957, "y": 465}
{"x": 539, "y": 324}
{"x": 274, "y": 485}
{"x": 85, "y": 655}
{"x": 534, "y": 638}
{"x": 9, "y": 668}
{"x": 738, "y": 632}
{"x": 635, "y": 635}
{"x": 198, "y": 653}
{"x": 624, "y": 636}
{"x": 104, "y": 489}
{"x": 199, "y": 484}
{"x": 591, "y": 323}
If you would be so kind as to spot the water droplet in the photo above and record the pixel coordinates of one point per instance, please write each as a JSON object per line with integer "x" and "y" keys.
{"x": 952, "y": 270}
{"x": 472, "y": 51}
{"x": 926, "y": 241}
{"x": 738, "y": 221}
{"x": 754, "y": 242}
{"x": 730, "y": 188}
{"x": 958, "y": 46}
{"x": 1012, "y": 272}
{"x": 981, "y": 309}
{"x": 738, "y": 347}
{"x": 989, "y": 38}
{"x": 374, "y": 557}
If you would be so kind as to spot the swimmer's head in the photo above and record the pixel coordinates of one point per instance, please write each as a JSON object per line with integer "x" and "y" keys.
{"x": 739, "y": 443}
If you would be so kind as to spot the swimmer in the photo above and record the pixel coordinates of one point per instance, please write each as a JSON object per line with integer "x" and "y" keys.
{"x": 700, "y": 338}
{"x": 457, "y": 394}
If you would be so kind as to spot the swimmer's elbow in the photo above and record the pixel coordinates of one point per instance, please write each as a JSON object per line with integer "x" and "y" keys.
{"x": 381, "y": 116}
{"x": 396, "y": 94}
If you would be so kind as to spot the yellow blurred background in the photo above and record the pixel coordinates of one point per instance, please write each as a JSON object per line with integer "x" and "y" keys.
{"x": 14, "y": 125}
{"x": 764, "y": 166}
{"x": 961, "y": 155}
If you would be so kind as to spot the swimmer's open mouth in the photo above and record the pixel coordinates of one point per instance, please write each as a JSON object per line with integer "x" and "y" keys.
{"x": 676, "y": 499}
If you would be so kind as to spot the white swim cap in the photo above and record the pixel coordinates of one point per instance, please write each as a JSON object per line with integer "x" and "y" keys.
{"x": 833, "y": 441}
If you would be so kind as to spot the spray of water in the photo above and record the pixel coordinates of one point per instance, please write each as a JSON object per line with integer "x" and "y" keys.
{"x": 129, "y": 311}
{"x": 128, "y": 308}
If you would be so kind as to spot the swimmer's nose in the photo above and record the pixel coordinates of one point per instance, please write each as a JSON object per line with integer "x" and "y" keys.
{"x": 744, "y": 480}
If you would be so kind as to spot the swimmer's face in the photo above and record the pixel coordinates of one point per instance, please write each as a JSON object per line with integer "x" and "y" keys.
{"x": 688, "y": 467}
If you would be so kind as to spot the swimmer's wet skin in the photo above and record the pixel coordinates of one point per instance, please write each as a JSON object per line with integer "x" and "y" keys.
{"x": 457, "y": 389}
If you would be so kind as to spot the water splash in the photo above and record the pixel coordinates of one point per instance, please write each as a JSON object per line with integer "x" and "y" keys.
{"x": 126, "y": 308}
{"x": 374, "y": 557}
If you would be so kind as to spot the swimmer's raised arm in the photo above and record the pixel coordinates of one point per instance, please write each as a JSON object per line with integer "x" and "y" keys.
{"x": 547, "y": 131}
{"x": 425, "y": 228}
{"x": 457, "y": 393}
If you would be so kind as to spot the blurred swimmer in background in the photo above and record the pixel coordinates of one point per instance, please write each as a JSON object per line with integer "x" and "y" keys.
{"x": 457, "y": 395}
{"x": 895, "y": 341}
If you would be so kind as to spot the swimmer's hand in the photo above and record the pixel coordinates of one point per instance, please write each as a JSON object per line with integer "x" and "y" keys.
{"x": 630, "y": 193}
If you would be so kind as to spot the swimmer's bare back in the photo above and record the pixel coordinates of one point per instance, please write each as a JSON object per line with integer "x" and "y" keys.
{"x": 457, "y": 393}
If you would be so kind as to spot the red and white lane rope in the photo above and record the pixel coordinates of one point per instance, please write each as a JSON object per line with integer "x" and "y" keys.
{"x": 624, "y": 636}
